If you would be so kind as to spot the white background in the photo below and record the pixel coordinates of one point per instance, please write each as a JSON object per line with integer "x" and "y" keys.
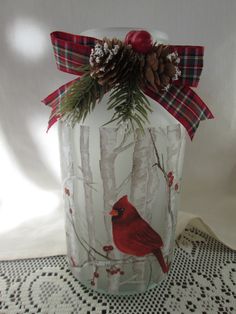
{"x": 31, "y": 213}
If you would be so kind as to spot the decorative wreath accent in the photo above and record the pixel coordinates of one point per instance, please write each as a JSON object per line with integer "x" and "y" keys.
{"x": 131, "y": 69}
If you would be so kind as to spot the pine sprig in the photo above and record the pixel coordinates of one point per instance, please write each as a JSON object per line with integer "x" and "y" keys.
{"x": 130, "y": 104}
{"x": 127, "y": 100}
{"x": 80, "y": 99}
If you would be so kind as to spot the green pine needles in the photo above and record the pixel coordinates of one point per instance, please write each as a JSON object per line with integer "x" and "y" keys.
{"x": 80, "y": 99}
{"x": 128, "y": 102}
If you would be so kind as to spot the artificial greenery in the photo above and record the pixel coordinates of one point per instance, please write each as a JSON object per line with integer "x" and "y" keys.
{"x": 80, "y": 98}
{"x": 129, "y": 104}
{"x": 126, "y": 100}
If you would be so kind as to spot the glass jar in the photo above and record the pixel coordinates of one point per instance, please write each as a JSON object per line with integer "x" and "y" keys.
{"x": 121, "y": 195}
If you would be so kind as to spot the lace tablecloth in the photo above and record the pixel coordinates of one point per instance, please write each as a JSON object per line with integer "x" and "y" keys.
{"x": 202, "y": 280}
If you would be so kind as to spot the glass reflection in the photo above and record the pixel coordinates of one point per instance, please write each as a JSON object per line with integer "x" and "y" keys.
{"x": 27, "y": 38}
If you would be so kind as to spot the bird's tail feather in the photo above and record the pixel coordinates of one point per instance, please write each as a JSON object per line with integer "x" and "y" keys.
{"x": 160, "y": 258}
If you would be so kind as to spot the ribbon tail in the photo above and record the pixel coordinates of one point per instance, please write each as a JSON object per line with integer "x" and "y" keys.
{"x": 54, "y": 99}
{"x": 183, "y": 104}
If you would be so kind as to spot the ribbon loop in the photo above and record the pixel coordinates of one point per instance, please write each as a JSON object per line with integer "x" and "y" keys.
{"x": 71, "y": 51}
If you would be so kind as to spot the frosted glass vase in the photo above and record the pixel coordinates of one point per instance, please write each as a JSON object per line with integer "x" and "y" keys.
{"x": 121, "y": 195}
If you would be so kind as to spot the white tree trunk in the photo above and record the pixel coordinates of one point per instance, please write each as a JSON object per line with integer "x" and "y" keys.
{"x": 67, "y": 171}
{"x": 139, "y": 175}
{"x": 173, "y": 154}
{"x": 110, "y": 149}
{"x": 138, "y": 190}
{"x": 108, "y": 140}
{"x": 87, "y": 178}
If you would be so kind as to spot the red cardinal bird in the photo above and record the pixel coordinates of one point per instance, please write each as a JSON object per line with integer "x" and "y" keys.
{"x": 132, "y": 234}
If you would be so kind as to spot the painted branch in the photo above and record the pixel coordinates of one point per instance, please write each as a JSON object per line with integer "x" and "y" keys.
{"x": 159, "y": 161}
{"x": 169, "y": 214}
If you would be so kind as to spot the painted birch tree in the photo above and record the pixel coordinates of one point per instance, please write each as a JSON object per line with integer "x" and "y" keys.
{"x": 87, "y": 179}
{"x": 138, "y": 189}
{"x": 67, "y": 171}
{"x": 174, "y": 147}
{"x": 153, "y": 182}
{"x": 110, "y": 149}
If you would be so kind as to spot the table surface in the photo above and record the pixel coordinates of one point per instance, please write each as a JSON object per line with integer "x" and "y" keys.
{"x": 202, "y": 280}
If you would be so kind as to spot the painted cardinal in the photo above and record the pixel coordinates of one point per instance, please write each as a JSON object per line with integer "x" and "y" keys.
{"x": 132, "y": 234}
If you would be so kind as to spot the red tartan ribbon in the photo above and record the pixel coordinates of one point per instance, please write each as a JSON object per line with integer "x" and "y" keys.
{"x": 72, "y": 51}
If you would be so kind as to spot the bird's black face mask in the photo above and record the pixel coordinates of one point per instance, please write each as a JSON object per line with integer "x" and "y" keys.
{"x": 116, "y": 213}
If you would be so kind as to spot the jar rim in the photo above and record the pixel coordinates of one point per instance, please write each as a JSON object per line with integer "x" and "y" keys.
{"x": 119, "y": 32}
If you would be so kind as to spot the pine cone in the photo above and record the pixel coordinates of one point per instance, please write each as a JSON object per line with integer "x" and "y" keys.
{"x": 161, "y": 68}
{"x": 111, "y": 62}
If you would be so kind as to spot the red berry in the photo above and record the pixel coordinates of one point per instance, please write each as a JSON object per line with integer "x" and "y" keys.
{"x": 176, "y": 187}
{"x": 170, "y": 174}
{"x": 128, "y": 37}
{"x": 67, "y": 191}
{"x": 106, "y": 248}
{"x": 171, "y": 178}
{"x": 141, "y": 41}
{"x": 96, "y": 274}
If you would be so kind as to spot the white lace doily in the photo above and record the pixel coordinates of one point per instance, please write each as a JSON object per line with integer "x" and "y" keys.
{"x": 202, "y": 280}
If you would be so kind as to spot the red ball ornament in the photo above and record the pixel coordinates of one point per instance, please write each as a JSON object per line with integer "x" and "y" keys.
{"x": 141, "y": 41}
{"x": 128, "y": 37}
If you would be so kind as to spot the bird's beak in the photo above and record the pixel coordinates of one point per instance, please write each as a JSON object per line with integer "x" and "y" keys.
{"x": 113, "y": 212}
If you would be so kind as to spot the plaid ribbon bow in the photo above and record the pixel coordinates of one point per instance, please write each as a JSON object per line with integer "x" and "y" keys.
{"x": 72, "y": 51}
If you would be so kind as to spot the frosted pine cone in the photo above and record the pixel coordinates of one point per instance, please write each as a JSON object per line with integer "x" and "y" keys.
{"x": 161, "y": 68}
{"x": 111, "y": 62}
